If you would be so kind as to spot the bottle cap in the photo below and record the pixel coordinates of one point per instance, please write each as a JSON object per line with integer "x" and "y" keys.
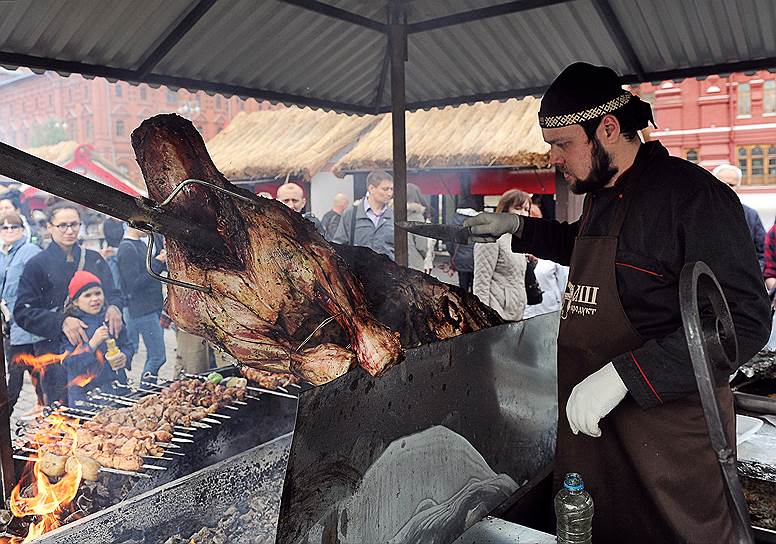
{"x": 573, "y": 482}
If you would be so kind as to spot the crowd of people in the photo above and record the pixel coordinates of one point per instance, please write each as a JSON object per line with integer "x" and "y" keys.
{"x": 72, "y": 315}
{"x": 515, "y": 285}
{"x": 65, "y": 307}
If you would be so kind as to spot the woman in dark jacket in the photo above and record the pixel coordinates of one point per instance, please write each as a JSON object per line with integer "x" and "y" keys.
{"x": 42, "y": 292}
{"x": 90, "y": 365}
{"x": 14, "y": 255}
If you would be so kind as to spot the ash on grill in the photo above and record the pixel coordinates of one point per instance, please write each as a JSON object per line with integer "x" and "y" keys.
{"x": 252, "y": 522}
{"x": 761, "y": 497}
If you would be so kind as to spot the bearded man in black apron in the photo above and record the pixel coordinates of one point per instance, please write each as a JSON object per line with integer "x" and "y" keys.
{"x": 630, "y": 419}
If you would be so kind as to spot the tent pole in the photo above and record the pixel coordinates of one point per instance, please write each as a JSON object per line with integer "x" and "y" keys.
{"x": 398, "y": 44}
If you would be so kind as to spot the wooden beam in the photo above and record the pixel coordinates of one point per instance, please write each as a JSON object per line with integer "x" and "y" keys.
{"x": 620, "y": 38}
{"x": 7, "y": 470}
{"x": 338, "y": 13}
{"x": 479, "y": 14}
{"x": 108, "y": 72}
{"x": 140, "y": 212}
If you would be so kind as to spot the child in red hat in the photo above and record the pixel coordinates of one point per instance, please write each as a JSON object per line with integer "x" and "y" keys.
{"x": 91, "y": 365}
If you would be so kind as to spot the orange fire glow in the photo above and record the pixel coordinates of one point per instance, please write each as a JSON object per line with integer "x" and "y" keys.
{"x": 48, "y": 499}
{"x": 82, "y": 380}
{"x": 39, "y": 363}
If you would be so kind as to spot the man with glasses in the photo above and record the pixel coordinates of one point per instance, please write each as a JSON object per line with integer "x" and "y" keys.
{"x": 40, "y": 306}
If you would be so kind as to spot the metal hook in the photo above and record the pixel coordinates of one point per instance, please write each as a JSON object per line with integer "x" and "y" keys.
{"x": 190, "y": 181}
{"x": 319, "y": 327}
{"x": 175, "y": 192}
{"x": 179, "y": 283}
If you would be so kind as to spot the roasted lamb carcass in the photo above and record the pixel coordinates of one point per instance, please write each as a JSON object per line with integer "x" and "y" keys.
{"x": 275, "y": 279}
{"x": 272, "y": 277}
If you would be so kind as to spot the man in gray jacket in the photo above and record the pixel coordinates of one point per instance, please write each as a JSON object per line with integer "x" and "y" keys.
{"x": 369, "y": 222}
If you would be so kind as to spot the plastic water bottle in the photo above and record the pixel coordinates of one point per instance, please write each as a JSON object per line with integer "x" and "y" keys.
{"x": 574, "y": 512}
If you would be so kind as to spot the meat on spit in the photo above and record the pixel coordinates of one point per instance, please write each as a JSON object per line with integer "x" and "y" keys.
{"x": 271, "y": 275}
{"x": 274, "y": 279}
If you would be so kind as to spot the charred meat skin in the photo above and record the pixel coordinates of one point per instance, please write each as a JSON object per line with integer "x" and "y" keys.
{"x": 420, "y": 307}
{"x": 272, "y": 275}
{"x": 275, "y": 278}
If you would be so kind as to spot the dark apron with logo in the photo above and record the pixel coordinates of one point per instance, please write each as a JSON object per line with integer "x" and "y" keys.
{"x": 653, "y": 474}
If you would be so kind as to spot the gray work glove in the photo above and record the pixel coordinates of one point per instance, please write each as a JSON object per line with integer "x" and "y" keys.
{"x": 489, "y": 227}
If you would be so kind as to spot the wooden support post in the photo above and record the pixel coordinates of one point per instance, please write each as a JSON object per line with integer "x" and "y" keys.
{"x": 398, "y": 43}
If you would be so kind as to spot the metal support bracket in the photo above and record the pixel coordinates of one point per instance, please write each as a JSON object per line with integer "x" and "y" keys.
{"x": 175, "y": 192}
{"x": 712, "y": 344}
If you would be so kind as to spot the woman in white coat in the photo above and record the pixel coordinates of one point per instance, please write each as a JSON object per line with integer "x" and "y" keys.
{"x": 499, "y": 274}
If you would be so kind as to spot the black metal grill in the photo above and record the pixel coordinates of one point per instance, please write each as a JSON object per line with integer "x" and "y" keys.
{"x": 260, "y": 418}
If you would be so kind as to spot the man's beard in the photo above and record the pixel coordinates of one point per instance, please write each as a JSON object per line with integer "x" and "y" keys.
{"x": 601, "y": 171}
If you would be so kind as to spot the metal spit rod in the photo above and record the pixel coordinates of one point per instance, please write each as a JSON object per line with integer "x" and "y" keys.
{"x": 139, "y": 212}
{"x": 214, "y": 414}
{"x": 76, "y": 410}
{"x": 283, "y": 393}
{"x": 179, "y": 430}
{"x": 164, "y": 445}
{"x": 236, "y": 366}
{"x": 120, "y": 385}
{"x": 144, "y": 466}
{"x": 31, "y": 450}
{"x": 175, "y": 433}
{"x": 227, "y": 406}
{"x": 102, "y": 469}
{"x": 250, "y": 388}
{"x": 195, "y": 423}
{"x": 90, "y": 418}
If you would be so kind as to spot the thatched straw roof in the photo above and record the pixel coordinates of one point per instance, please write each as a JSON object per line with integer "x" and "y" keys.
{"x": 497, "y": 133}
{"x": 58, "y": 153}
{"x": 288, "y": 141}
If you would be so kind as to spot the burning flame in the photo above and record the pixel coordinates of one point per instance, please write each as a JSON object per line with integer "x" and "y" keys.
{"x": 82, "y": 380}
{"x": 49, "y": 499}
{"x": 40, "y": 363}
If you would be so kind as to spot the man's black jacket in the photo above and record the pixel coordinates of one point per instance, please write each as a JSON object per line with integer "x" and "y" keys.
{"x": 679, "y": 214}
{"x": 142, "y": 292}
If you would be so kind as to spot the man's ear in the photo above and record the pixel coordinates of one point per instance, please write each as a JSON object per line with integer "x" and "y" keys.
{"x": 609, "y": 129}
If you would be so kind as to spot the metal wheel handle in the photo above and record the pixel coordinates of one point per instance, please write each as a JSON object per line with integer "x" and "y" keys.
{"x": 711, "y": 339}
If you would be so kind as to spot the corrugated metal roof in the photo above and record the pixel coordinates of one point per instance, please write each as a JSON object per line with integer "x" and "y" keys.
{"x": 333, "y": 55}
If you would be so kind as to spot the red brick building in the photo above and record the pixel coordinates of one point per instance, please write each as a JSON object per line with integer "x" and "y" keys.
{"x": 722, "y": 119}
{"x": 103, "y": 114}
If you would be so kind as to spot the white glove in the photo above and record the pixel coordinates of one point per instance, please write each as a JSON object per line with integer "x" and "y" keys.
{"x": 489, "y": 227}
{"x": 593, "y": 398}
